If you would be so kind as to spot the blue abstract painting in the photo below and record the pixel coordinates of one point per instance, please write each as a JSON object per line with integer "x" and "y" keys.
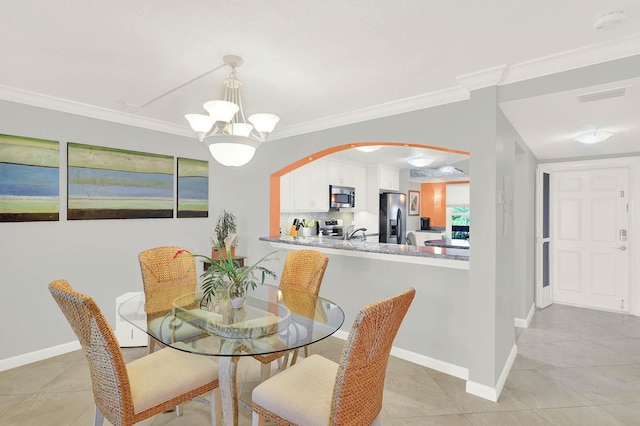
{"x": 29, "y": 179}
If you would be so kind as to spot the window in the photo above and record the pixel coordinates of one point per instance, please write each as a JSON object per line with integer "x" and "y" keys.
{"x": 458, "y": 221}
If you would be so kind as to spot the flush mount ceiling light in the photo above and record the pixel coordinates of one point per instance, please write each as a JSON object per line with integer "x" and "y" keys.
{"x": 609, "y": 19}
{"x": 368, "y": 148}
{"x": 420, "y": 161}
{"x": 595, "y": 136}
{"x": 233, "y": 141}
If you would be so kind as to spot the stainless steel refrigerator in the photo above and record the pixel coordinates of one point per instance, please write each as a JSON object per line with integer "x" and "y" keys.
{"x": 393, "y": 218}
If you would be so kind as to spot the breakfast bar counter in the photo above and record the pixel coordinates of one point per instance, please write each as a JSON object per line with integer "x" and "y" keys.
{"x": 436, "y": 256}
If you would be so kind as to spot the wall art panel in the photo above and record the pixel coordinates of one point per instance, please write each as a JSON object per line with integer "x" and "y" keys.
{"x": 109, "y": 183}
{"x": 29, "y": 179}
{"x": 193, "y": 188}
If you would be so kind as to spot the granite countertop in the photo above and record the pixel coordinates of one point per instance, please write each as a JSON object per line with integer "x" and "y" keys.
{"x": 361, "y": 245}
{"x": 463, "y": 244}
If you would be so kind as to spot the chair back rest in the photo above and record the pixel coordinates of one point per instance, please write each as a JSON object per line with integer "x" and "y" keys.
{"x": 411, "y": 239}
{"x": 357, "y": 393}
{"x": 303, "y": 270}
{"x": 111, "y": 389}
{"x": 165, "y": 278}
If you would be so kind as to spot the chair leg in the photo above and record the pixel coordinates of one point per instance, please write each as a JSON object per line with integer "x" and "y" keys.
{"x": 178, "y": 410}
{"x": 376, "y": 421}
{"x": 98, "y": 417}
{"x": 150, "y": 345}
{"x": 257, "y": 419}
{"x": 294, "y": 358}
{"x": 265, "y": 371}
{"x": 285, "y": 361}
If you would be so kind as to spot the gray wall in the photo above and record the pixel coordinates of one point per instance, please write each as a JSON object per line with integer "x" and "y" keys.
{"x": 457, "y": 317}
{"x": 98, "y": 257}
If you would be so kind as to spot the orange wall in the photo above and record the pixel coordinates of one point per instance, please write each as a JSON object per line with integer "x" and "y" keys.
{"x": 433, "y": 202}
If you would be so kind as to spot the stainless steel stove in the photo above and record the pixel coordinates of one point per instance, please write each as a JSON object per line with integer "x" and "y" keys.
{"x": 332, "y": 227}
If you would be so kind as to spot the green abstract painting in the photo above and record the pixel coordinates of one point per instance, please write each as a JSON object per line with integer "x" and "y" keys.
{"x": 193, "y": 188}
{"x": 109, "y": 183}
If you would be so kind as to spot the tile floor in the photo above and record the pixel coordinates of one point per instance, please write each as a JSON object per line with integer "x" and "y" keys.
{"x": 574, "y": 367}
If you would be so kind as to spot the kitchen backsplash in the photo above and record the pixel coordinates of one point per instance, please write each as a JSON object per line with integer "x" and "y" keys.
{"x": 286, "y": 219}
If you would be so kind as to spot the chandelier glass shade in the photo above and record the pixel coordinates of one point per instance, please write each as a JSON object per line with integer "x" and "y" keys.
{"x": 231, "y": 139}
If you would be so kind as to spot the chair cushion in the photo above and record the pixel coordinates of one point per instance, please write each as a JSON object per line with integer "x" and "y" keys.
{"x": 301, "y": 394}
{"x": 167, "y": 373}
{"x": 165, "y": 326}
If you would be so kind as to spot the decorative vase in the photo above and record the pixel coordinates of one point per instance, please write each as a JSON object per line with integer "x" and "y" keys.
{"x": 237, "y": 302}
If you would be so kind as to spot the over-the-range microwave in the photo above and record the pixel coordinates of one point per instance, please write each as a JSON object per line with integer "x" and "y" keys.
{"x": 342, "y": 197}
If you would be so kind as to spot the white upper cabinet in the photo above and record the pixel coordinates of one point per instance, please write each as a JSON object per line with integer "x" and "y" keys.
{"x": 380, "y": 179}
{"x": 340, "y": 173}
{"x": 359, "y": 178}
{"x": 388, "y": 179}
{"x": 306, "y": 189}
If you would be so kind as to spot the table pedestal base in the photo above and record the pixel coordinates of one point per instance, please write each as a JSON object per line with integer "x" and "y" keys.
{"x": 228, "y": 389}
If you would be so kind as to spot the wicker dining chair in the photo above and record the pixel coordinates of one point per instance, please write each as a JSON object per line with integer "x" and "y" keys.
{"x": 318, "y": 391}
{"x": 303, "y": 271}
{"x": 128, "y": 393}
{"x": 164, "y": 278}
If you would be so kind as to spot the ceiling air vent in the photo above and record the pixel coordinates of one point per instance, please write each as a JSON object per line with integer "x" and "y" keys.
{"x": 606, "y": 94}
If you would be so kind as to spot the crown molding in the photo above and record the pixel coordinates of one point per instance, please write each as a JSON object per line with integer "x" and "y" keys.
{"x": 483, "y": 78}
{"x": 498, "y": 75}
{"x": 572, "y": 59}
{"x": 64, "y": 105}
{"x": 440, "y": 97}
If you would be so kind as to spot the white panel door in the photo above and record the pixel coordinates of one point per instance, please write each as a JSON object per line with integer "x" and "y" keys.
{"x": 590, "y": 266}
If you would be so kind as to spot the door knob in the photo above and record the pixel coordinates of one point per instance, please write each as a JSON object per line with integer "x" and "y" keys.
{"x": 623, "y": 248}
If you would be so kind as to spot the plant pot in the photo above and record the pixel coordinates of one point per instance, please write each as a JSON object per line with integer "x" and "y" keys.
{"x": 222, "y": 254}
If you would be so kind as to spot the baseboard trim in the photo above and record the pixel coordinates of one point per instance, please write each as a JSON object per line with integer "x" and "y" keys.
{"x": 524, "y": 323}
{"x": 493, "y": 393}
{"x": 39, "y": 355}
{"x": 425, "y": 361}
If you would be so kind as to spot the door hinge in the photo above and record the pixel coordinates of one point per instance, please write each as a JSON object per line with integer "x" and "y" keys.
{"x": 621, "y": 194}
{"x": 621, "y": 303}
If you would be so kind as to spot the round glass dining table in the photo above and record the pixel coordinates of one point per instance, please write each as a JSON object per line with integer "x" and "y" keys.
{"x": 270, "y": 320}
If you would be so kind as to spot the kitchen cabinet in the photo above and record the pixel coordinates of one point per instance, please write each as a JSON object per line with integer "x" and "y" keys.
{"x": 340, "y": 174}
{"x": 380, "y": 179}
{"x": 359, "y": 178}
{"x": 305, "y": 189}
{"x": 388, "y": 179}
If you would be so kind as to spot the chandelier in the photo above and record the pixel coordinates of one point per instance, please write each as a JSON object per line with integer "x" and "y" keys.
{"x": 232, "y": 141}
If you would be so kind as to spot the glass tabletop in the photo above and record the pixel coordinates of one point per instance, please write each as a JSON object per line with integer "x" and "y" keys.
{"x": 271, "y": 320}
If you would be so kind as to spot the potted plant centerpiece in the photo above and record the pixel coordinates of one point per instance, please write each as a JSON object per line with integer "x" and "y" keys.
{"x": 226, "y": 279}
{"x": 225, "y": 227}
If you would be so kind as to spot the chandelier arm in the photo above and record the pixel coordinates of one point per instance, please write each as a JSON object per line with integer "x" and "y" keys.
{"x": 180, "y": 87}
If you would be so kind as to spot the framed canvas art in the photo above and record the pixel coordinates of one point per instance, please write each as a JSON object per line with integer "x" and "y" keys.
{"x": 414, "y": 203}
{"x": 193, "y": 188}
{"x": 29, "y": 179}
{"x": 110, "y": 183}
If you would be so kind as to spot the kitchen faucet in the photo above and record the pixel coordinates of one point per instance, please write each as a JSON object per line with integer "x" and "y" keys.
{"x": 348, "y": 236}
